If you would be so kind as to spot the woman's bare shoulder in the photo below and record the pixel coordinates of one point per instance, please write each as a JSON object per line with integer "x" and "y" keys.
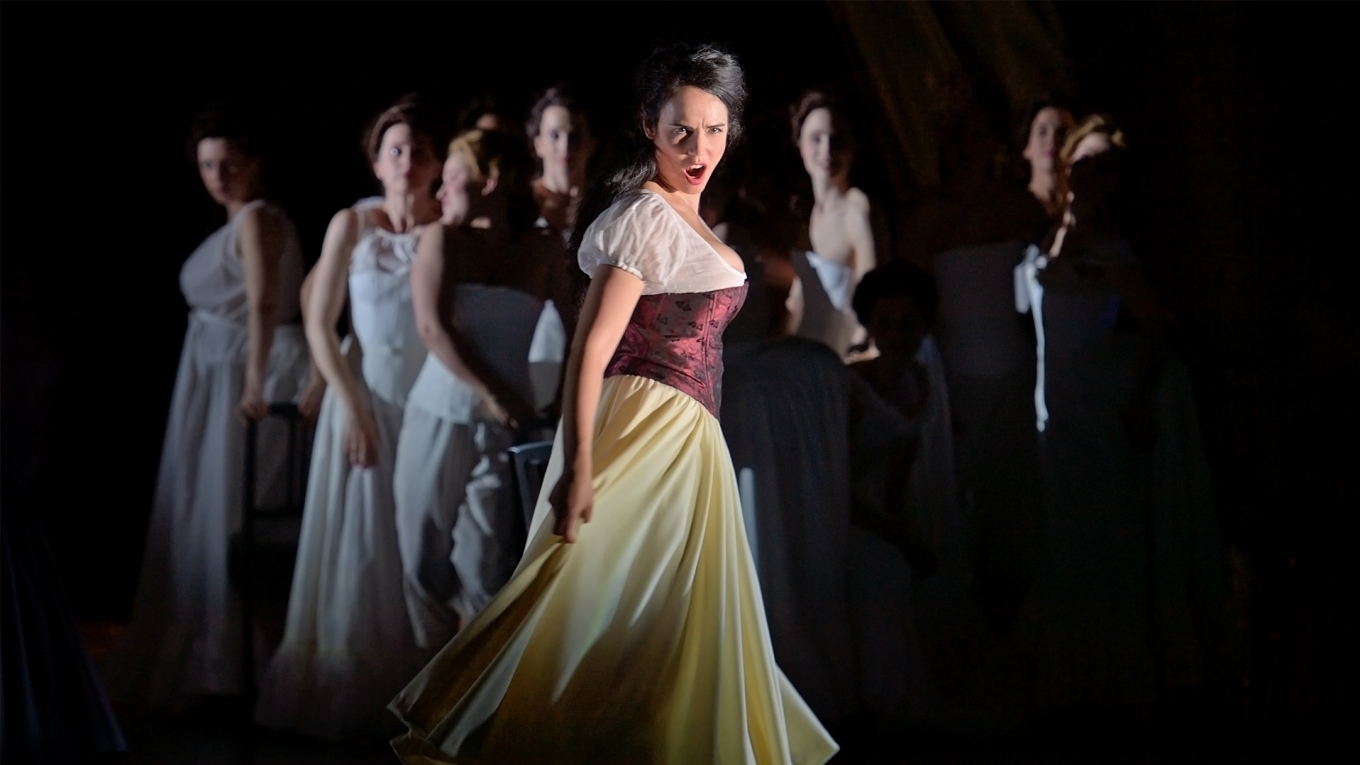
{"x": 347, "y": 219}
{"x": 857, "y": 201}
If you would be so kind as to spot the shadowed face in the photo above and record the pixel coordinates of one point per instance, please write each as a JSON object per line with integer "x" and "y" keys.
{"x": 227, "y": 174}
{"x": 453, "y": 192}
{"x": 690, "y": 136}
{"x": 825, "y": 153}
{"x": 1045, "y": 135}
{"x": 406, "y": 162}
{"x": 1092, "y": 173}
{"x": 1090, "y": 146}
{"x": 563, "y": 143}
{"x": 897, "y": 325}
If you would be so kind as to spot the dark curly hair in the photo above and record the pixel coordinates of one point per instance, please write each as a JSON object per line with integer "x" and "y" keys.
{"x": 841, "y": 115}
{"x": 630, "y": 160}
{"x": 228, "y": 119}
{"x": 557, "y": 95}
{"x": 1038, "y": 103}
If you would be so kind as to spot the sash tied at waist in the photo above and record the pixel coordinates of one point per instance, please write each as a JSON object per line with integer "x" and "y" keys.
{"x": 390, "y": 371}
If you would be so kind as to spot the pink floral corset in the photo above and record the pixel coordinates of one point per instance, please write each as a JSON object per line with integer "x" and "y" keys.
{"x": 676, "y": 339}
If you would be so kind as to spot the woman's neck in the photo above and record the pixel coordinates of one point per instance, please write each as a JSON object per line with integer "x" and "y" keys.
{"x": 406, "y": 211}
{"x": 1044, "y": 188}
{"x": 235, "y": 206}
{"x": 828, "y": 189}
{"x": 556, "y": 180}
{"x": 673, "y": 195}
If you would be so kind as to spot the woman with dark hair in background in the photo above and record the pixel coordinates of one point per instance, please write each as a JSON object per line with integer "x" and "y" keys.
{"x": 348, "y": 641}
{"x": 243, "y": 349}
{"x": 560, "y": 134}
{"x": 1043, "y": 127}
{"x": 840, "y": 232}
{"x": 561, "y": 138}
{"x": 1132, "y": 590}
{"x": 633, "y": 630}
{"x": 478, "y": 294}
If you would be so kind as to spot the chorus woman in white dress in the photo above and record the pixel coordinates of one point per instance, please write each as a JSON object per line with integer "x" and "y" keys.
{"x": 348, "y": 641}
{"x": 840, "y": 233}
{"x": 478, "y": 294}
{"x": 243, "y": 350}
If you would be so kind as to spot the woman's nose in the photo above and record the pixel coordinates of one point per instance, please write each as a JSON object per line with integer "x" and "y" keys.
{"x": 707, "y": 144}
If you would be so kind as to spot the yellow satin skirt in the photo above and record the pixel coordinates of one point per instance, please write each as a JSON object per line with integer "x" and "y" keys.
{"x": 644, "y": 642}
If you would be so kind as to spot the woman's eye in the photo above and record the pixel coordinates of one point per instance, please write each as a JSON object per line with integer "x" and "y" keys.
{"x": 394, "y": 151}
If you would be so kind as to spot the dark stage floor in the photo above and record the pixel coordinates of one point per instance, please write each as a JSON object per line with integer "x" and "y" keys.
{"x": 1192, "y": 734}
{"x": 218, "y": 741}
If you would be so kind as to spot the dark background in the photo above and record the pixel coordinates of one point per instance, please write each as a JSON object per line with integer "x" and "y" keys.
{"x": 1242, "y": 197}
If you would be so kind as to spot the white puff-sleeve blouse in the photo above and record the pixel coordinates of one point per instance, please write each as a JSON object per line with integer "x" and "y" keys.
{"x": 643, "y": 235}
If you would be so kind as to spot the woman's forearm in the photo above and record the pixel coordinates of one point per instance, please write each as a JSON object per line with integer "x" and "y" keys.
{"x": 259, "y": 340}
{"x": 327, "y": 357}
{"x": 323, "y": 297}
{"x": 605, "y": 314}
{"x": 580, "y": 403}
{"x": 261, "y": 241}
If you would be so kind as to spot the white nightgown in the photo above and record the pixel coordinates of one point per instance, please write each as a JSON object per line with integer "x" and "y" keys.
{"x": 184, "y": 640}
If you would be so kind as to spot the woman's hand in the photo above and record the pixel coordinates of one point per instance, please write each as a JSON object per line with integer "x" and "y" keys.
{"x": 512, "y": 411}
{"x": 361, "y": 438}
{"x": 252, "y": 406}
{"x": 309, "y": 403}
{"x": 573, "y": 501}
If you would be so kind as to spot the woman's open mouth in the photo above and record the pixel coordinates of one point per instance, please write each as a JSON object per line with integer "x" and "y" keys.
{"x": 695, "y": 174}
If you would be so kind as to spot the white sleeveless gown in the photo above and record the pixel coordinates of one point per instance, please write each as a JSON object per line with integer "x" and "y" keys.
{"x": 347, "y": 645}
{"x": 184, "y": 640}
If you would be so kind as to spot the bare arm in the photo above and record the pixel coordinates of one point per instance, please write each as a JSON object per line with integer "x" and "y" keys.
{"x": 793, "y": 305}
{"x": 860, "y": 231}
{"x": 309, "y": 403}
{"x": 608, "y": 306}
{"x": 326, "y": 299}
{"x": 324, "y": 303}
{"x": 432, "y": 297}
{"x": 260, "y": 240}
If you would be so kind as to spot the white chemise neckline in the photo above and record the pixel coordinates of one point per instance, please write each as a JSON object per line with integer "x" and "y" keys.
{"x": 684, "y": 223}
